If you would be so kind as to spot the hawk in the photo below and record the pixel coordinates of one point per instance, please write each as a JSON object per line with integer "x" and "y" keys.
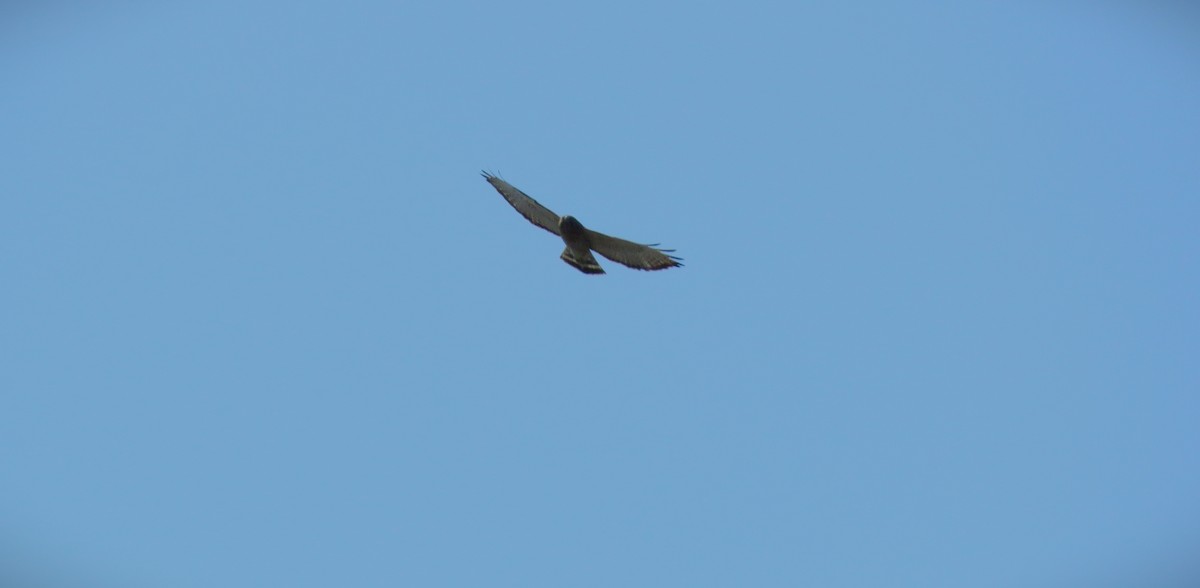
{"x": 580, "y": 240}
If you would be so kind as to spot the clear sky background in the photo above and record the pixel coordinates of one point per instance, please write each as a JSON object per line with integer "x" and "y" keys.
{"x": 263, "y": 324}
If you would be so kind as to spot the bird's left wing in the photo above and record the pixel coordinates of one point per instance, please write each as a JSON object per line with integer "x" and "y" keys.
{"x": 528, "y": 207}
{"x": 630, "y": 254}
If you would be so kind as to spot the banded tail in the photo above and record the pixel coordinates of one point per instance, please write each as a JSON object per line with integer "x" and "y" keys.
{"x": 585, "y": 262}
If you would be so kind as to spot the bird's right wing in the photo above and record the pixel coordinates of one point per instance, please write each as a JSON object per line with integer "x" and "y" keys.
{"x": 528, "y": 207}
{"x": 634, "y": 255}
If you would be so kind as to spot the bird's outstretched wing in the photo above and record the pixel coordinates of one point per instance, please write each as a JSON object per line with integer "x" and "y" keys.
{"x": 528, "y": 207}
{"x": 630, "y": 254}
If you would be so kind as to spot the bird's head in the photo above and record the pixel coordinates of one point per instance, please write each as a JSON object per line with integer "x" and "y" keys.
{"x": 568, "y": 224}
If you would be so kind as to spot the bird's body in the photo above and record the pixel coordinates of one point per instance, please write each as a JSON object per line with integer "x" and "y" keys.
{"x": 581, "y": 241}
{"x": 579, "y": 248}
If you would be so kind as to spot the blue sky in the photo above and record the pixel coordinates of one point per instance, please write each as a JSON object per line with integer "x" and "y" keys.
{"x": 265, "y": 325}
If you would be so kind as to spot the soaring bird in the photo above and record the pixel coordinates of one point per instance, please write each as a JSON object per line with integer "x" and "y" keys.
{"x": 580, "y": 240}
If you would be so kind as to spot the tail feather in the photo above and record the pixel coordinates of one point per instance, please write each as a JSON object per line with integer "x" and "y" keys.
{"x": 585, "y": 263}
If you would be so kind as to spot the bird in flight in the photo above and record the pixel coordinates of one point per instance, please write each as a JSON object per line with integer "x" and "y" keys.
{"x": 582, "y": 241}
